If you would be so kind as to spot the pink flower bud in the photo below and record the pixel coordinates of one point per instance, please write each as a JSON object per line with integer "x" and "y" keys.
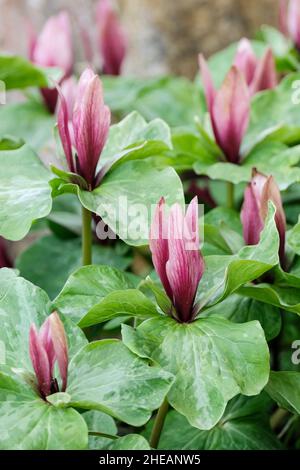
{"x": 229, "y": 110}
{"x": 260, "y": 74}
{"x": 111, "y": 37}
{"x": 258, "y": 193}
{"x": 47, "y": 346}
{"x": 53, "y": 48}
{"x": 83, "y": 123}
{"x": 174, "y": 243}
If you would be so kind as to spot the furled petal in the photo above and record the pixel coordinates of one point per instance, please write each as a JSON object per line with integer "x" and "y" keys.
{"x": 84, "y": 82}
{"x": 210, "y": 92}
{"x": 192, "y": 236}
{"x": 46, "y": 339}
{"x": 53, "y": 47}
{"x": 40, "y": 363}
{"x": 230, "y": 115}
{"x": 69, "y": 89}
{"x": 271, "y": 192}
{"x": 184, "y": 267}
{"x": 258, "y": 182}
{"x": 158, "y": 241}
{"x": 265, "y": 75}
{"x": 251, "y": 219}
{"x": 245, "y": 60}
{"x": 63, "y": 123}
{"x": 91, "y": 121}
{"x": 112, "y": 40}
{"x": 293, "y": 21}
{"x": 60, "y": 346}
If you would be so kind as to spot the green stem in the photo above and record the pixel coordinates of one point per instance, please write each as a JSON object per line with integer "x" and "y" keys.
{"x": 86, "y": 237}
{"x": 230, "y": 195}
{"x": 287, "y": 427}
{"x": 103, "y": 435}
{"x": 158, "y": 424}
{"x": 278, "y": 417}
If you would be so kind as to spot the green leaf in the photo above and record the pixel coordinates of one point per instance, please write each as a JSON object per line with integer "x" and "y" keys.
{"x": 139, "y": 186}
{"x": 288, "y": 357}
{"x": 190, "y": 147}
{"x": 281, "y": 46}
{"x": 65, "y": 217}
{"x": 106, "y": 376}
{"x": 271, "y": 158}
{"x": 17, "y": 73}
{"x": 240, "y": 309}
{"x": 283, "y": 387}
{"x": 223, "y": 216}
{"x": 244, "y": 426}
{"x": 134, "y": 138}
{"x": 130, "y": 442}
{"x": 21, "y": 304}
{"x": 293, "y": 238}
{"x": 212, "y": 360}
{"x": 287, "y": 298}
{"x": 223, "y": 230}
{"x": 35, "y": 124}
{"x": 102, "y": 423}
{"x": 130, "y": 303}
{"x": 87, "y": 287}
{"x": 174, "y": 99}
{"x": 25, "y": 194}
{"x": 29, "y": 423}
{"x": 274, "y": 113}
{"x": 66, "y": 257}
{"x": 7, "y": 143}
{"x": 158, "y": 292}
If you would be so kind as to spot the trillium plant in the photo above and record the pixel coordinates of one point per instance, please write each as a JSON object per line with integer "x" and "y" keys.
{"x": 149, "y": 244}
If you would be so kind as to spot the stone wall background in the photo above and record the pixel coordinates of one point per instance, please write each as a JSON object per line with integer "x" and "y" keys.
{"x": 164, "y": 35}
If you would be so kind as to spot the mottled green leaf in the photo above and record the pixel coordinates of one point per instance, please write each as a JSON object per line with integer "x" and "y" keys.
{"x": 29, "y": 423}
{"x": 25, "y": 194}
{"x": 174, "y": 99}
{"x": 212, "y": 360}
{"x": 271, "y": 158}
{"x": 283, "y": 387}
{"x": 21, "y": 304}
{"x": 127, "y": 196}
{"x": 17, "y": 72}
{"x": 134, "y": 138}
{"x": 130, "y": 303}
{"x": 130, "y": 442}
{"x": 106, "y": 376}
{"x": 35, "y": 124}
{"x": 240, "y": 309}
{"x": 244, "y": 426}
{"x": 102, "y": 423}
{"x": 87, "y": 287}
{"x": 66, "y": 257}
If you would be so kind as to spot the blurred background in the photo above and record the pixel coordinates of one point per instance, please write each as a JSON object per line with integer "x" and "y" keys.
{"x": 164, "y": 35}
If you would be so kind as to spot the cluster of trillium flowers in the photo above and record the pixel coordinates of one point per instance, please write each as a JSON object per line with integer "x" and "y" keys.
{"x": 83, "y": 124}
